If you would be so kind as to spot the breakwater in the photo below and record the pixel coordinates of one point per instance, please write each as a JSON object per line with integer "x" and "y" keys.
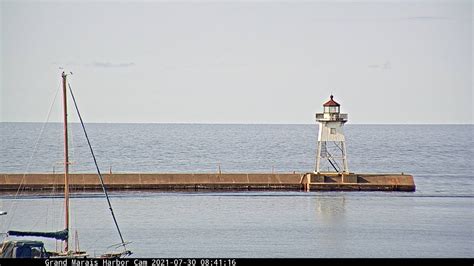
{"x": 212, "y": 181}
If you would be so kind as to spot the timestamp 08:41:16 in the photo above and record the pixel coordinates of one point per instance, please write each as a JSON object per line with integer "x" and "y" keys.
{"x": 194, "y": 262}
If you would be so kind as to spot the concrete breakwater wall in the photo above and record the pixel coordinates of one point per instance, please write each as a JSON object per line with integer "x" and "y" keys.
{"x": 212, "y": 181}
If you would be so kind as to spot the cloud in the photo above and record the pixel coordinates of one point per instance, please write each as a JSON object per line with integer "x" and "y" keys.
{"x": 109, "y": 64}
{"x": 382, "y": 19}
{"x": 63, "y": 64}
{"x": 384, "y": 66}
{"x": 426, "y": 18}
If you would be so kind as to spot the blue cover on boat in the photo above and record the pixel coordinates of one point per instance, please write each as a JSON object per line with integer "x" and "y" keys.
{"x": 60, "y": 235}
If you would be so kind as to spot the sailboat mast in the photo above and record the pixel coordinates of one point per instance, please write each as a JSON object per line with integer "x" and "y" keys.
{"x": 66, "y": 164}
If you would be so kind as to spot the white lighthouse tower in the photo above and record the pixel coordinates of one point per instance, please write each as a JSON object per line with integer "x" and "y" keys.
{"x": 331, "y": 154}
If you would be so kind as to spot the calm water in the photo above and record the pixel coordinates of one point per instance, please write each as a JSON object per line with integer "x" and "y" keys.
{"x": 434, "y": 221}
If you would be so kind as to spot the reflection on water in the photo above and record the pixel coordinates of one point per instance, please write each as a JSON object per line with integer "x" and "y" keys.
{"x": 330, "y": 209}
{"x": 330, "y": 216}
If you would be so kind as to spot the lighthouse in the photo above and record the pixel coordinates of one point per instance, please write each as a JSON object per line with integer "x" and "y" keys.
{"x": 331, "y": 152}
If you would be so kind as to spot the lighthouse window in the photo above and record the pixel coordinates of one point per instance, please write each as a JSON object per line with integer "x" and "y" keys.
{"x": 333, "y": 131}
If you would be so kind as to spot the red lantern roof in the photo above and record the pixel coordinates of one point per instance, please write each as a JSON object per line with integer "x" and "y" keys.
{"x": 331, "y": 102}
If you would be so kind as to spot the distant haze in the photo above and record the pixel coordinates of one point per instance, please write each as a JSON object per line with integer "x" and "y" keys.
{"x": 240, "y": 61}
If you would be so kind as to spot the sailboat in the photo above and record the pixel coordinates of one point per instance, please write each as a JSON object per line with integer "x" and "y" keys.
{"x": 19, "y": 248}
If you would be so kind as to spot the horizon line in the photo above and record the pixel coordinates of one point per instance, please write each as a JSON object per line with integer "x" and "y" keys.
{"x": 221, "y": 123}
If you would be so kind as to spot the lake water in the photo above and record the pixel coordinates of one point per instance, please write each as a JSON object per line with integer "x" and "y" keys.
{"x": 434, "y": 221}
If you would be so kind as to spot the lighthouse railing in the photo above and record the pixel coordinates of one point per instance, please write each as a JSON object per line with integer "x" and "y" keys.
{"x": 331, "y": 117}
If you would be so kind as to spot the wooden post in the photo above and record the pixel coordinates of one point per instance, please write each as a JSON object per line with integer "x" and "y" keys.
{"x": 308, "y": 182}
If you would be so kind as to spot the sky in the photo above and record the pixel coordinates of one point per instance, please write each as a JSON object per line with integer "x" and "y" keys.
{"x": 385, "y": 62}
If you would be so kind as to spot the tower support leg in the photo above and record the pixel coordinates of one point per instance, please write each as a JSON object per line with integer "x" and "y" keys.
{"x": 344, "y": 157}
{"x": 318, "y": 157}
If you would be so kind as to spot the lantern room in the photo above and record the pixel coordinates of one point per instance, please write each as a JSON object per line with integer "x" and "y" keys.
{"x": 331, "y": 106}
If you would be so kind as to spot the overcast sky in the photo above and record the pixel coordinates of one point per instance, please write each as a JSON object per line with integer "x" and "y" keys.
{"x": 239, "y": 62}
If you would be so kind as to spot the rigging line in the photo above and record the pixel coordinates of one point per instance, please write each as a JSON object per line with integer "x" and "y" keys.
{"x": 31, "y": 158}
{"x": 72, "y": 189}
{"x": 54, "y": 222}
{"x": 97, "y": 167}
